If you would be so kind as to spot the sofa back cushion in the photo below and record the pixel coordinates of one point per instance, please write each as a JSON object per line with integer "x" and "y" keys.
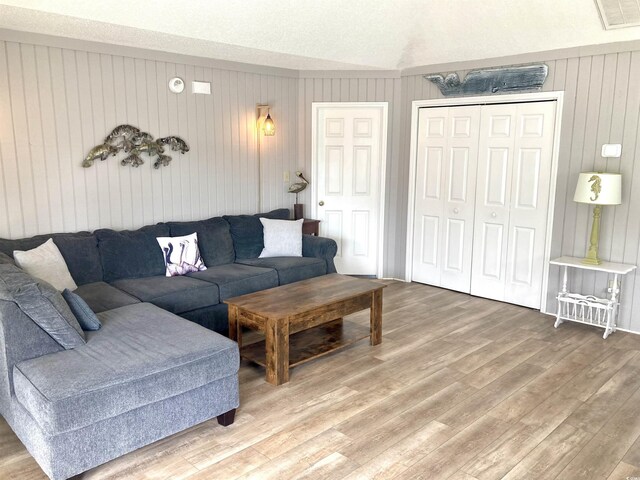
{"x": 214, "y": 239}
{"x": 4, "y": 258}
{"x": 43, "y": 304}
{"x": 80, "y": 252}
{"x": 247, "y": 233}
{"x": 131, "y": 253}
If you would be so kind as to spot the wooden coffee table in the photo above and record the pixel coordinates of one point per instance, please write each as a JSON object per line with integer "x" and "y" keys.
{"x": 303, "y": 320}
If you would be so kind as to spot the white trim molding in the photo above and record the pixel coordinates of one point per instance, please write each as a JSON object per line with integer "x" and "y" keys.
{"x": 557, "y": 96}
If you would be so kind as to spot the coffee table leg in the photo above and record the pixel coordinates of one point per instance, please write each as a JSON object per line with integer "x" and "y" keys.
{"x": 277, "y": 354}
{"x": 376, "y": 317}
{"x": 235, "y": 331}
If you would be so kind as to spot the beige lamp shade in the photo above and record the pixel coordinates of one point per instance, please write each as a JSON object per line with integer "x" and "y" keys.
{"x": 599, "y": 188}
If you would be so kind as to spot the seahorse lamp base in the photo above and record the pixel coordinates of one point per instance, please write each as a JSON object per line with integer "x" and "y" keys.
{"x": 592, "y": 252}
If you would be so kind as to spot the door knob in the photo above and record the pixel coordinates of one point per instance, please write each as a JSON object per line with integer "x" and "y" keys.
{"x": 455, "y": 210}
{"x": 494, "y": 214}
{"x": 321, "y": 203}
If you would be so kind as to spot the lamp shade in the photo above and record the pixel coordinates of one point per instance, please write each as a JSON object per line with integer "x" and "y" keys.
{"x": 599, "y": 188}
{"x": 268, "y": 127}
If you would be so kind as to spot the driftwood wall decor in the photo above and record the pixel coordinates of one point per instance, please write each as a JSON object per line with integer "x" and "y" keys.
{"x": 492, "y": 80}
{"x": 133, "y": 142}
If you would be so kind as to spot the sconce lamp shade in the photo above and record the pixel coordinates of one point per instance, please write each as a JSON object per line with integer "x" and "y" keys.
{"x": 268, "y": 127}
{"x": 599, "y": 188}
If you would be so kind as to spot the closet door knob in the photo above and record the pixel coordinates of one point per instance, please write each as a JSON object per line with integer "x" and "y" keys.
{"x": 494, "y": 214}
{"x": 455, "y": 210}
{"x": 321, "y": 203}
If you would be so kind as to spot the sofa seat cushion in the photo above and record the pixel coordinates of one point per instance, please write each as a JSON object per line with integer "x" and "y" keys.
{"x": 290, "y": 269}
{"x": 101, "y": 296}
{"x": 141, "y": 355}
{"x": 175, "y": 294}
{"x": 235, "y": 279}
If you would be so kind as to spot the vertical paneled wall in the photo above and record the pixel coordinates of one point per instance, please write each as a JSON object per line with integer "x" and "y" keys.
{"x": 601, "y": 105}
{"x": 57, "y": 103}
{"x": 345, "y": 88}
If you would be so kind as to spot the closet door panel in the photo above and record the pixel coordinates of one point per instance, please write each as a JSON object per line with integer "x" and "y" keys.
{"x": 533, "y": 153}
{"x": 495, "y": 165}
{"x": 445, "y": 196}
{"x": 460, "y": 192}
{"x": 429, "y": 201}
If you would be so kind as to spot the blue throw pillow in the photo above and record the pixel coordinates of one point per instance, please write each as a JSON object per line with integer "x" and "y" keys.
{"x": 86, "y": 318}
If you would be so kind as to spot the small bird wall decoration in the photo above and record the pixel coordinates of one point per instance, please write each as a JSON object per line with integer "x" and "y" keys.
{"x": 299, "y": 186}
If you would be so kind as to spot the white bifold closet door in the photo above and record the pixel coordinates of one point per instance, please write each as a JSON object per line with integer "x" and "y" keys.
{"x": 481, "y": 199}
{"x": 445, "y": 196}
{"x": 512, "y": 200}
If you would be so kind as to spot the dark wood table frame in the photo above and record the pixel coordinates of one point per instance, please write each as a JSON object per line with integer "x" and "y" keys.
{"x": 314, "y": 307}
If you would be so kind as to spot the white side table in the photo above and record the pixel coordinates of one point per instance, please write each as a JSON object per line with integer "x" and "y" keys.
{"x": 600, "y": 312}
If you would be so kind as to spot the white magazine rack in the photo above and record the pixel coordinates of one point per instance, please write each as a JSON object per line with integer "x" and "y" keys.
{"x": 588, "y": 309}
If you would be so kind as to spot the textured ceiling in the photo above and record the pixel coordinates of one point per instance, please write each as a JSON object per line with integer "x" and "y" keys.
{"x": 324, "y": 34}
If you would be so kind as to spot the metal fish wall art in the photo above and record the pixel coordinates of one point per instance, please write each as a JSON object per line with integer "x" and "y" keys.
{"x": 134, "y": 142}
{"x": 100, "y": 152}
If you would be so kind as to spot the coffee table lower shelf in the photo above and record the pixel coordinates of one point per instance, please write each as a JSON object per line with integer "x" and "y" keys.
{"x": 312, "y": 343}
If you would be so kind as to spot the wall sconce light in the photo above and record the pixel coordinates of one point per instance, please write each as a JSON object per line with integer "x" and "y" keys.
{"x": 265, "y": 122}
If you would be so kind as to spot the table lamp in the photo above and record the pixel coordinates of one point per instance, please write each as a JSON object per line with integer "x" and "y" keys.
{"x": 597, "y": 189}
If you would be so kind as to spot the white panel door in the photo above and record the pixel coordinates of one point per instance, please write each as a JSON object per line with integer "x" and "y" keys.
{"x": 514, "y": 174}
{"x": 349, "y": 143}
{"x": 445, "y": 196}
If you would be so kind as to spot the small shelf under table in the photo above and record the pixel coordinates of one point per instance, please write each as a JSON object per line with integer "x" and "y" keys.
{"x": 311, "y": 343}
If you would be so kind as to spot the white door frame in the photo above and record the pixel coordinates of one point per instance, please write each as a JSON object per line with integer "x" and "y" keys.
{"x": 485, "y": 100}
{"x": 384, "y": 106}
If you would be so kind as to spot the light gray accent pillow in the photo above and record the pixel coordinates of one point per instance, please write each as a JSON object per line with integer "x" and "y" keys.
{"x": 43, "y": 304}
{"x": 282, "y": 238}
{"x": 46, "y": 263}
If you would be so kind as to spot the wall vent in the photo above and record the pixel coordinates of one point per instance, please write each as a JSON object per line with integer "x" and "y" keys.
{"x": 619, "y": 13}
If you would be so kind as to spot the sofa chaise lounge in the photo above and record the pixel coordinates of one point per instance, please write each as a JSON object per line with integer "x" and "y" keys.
{"x": 146, "y": 373}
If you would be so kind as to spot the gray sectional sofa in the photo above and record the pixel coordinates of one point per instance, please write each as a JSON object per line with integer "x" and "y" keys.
{"x": 150, "y": 371}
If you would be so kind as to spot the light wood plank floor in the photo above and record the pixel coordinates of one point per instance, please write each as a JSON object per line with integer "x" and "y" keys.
{"x": 461, "y": 388}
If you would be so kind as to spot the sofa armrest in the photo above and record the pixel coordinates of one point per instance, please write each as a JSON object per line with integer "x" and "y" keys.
{"x": 320, "y": 247}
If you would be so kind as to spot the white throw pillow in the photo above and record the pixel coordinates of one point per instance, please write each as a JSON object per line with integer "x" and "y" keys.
{"x": 181, "y": 254}
{"x": 282, "y": 238}
{"x": 46, "y": 263}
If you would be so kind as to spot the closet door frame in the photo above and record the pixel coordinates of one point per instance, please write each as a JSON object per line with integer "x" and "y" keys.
{"x": 486, "y": 100}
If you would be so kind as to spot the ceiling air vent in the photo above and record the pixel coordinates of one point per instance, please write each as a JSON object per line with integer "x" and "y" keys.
{"x": 619, "y": 13}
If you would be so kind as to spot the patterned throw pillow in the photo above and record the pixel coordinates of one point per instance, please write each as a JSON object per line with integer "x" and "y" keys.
{"x": 181, "y": 254}
{"x": 282, "y": 238}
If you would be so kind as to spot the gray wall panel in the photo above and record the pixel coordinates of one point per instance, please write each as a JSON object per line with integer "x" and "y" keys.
{"x": 58, "y": 103}
{"x": 601, "y": 105}
{"x": 59, "y": 98}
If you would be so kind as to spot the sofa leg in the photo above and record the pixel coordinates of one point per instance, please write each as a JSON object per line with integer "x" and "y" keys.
{"x": 227, "y": 418}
